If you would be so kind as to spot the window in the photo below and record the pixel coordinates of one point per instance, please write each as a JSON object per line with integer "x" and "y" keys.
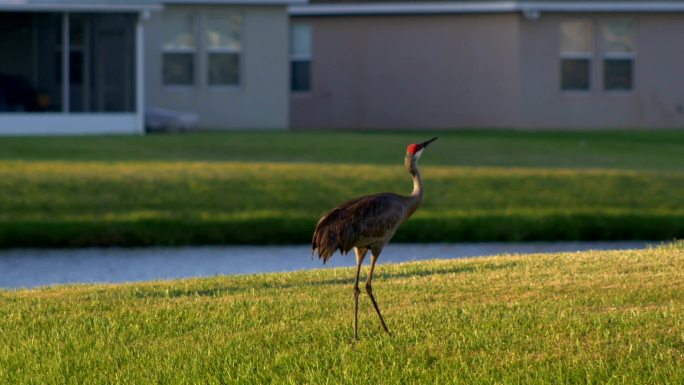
{"x": 223, "y": 40}
{"x": 67, "y": 62}
{"x": 178, "y": 49}
{"x": 31, "y": 79}
{"x": 576, "y": 53}
{"x": 300, "y": 57}
{"x": 618, "y": 55}
{"x": 101, "y": 62}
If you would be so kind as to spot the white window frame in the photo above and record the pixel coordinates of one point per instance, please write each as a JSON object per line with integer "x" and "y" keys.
{"x": 193, "y": 51}
{"x": 619, "y": 56}
{"x": 208, "y": 51}
{"x": 579, "y": 55}
{"x": 303, "y": 58}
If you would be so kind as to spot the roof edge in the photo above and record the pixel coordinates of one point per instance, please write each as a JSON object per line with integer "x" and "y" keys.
{"x": 78, "y": 7}
{"x": 238, "y": 2}
{"x": 604, "y": 6}
{"x": 73, "y": 6}
{"x": 334, "y": 9}
{"x": 342, "y": 9}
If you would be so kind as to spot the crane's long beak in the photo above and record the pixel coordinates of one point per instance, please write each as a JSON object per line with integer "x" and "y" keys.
{"x": 425, "y": 144}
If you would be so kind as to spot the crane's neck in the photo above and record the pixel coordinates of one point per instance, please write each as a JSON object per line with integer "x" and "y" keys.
{"x": 413, "y": 200}
{"x": 417, "y": 185}
{"x": 412, "y": 166}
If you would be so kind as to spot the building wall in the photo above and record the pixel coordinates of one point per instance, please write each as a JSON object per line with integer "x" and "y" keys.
{"x": 411, "y": 72}
{"x": 657, "y": 98}
{"x": 260, "y": 101}
{"x": 481, "y": 70}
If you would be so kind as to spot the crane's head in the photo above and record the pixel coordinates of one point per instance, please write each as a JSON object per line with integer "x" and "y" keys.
{"x": 415, "y": 150}
{"x": 413, "y": 153}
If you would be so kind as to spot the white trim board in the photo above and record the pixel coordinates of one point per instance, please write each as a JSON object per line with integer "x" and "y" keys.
{"x": 236, "y": 2}
{"x": 76, "y": 7}
{"x": 69, "y": 124}
{"x": 604, "y": 6}
{"x": 342, "y": 9}
{"x": 401, "y": 8}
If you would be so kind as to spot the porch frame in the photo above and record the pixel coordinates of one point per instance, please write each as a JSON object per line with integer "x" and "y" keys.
{"x": 76, "y": 123}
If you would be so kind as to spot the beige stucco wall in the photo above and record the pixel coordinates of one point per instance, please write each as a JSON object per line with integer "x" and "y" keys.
{"x": 655, "y": 102}
{"x": 411, "y": 72}
{"x": 471, "y": 71}
{"x": 261, "y": 101}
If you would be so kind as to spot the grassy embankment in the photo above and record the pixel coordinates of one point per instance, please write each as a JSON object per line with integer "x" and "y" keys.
{"x": 591, "y": 317}
{"x": 272, "y": 187}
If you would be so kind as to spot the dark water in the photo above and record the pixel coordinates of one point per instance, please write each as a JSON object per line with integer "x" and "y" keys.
{"x": 36, "y": 267}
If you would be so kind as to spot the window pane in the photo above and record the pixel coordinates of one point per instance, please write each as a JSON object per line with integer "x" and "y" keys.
{"x": 76, "y": 62}
{"x": 618, "y": 36}
{"x": 575, "y": 74}
{"x": 576, "y": 36}
{"x": 223, "y": 31}
{"x": 178, "y": 68}
{"x": 617, "y": 74}
{"x": 76, "y": 30}
{"x": 30, "y": 62}
{"x": 224, "y": 68}
{"x": 178, "y": 31}
{"x": 301, "y": 75}
{"x": 76, "y": 68}
{"x": 111, "y": 62}
{"x": 300, "y": 40}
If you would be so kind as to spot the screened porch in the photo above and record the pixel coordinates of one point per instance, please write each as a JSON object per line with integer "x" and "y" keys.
{"x": 74, "y": 71}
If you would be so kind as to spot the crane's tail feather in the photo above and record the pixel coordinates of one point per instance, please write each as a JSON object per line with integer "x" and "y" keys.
{"x": 326, "y": 242}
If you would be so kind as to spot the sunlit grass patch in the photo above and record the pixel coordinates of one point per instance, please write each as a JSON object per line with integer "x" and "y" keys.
{"x": 626, "y": 149}
{"x": 142, "y": 203}
{"x": 600, "y": 317}
{"x": 242, "y": 187}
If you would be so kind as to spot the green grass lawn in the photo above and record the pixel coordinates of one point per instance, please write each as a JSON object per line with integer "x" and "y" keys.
{"x": 215, "y": 188}
{"x": 612, "y": 317}
{"x": 654, "y": 150}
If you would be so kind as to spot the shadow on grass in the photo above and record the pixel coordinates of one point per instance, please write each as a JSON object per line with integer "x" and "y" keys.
{"x": 235, "y": 289}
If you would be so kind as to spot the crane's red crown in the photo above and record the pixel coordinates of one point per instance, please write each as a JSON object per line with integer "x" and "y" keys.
{"x": 413, "y": 148}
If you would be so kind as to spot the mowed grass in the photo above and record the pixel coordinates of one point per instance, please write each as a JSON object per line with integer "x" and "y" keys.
{"x": 65, "y": 204}
{"x": 640, "y": 150}
{"x": 273, "y": 187}
{"x": 604, "y": 317}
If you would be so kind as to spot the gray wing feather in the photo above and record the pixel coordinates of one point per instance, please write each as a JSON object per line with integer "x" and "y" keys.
{"x": 356, "y": 223}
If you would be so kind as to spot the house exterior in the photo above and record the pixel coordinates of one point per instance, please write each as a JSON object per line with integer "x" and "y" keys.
{"x": 94, "y": 66}
{"x": 478, "y": 64}
{"x": 227, "y": 61}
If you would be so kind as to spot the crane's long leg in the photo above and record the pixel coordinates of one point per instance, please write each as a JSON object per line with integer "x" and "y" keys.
{"x": 360, "y": 255}
{"x": 369, "y": 289}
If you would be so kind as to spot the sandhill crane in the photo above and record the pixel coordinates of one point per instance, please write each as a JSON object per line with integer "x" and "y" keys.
{"x": 368, "y": 223}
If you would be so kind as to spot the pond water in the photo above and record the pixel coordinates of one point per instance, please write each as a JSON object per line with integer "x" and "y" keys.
{"x": 39, "y": 267}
